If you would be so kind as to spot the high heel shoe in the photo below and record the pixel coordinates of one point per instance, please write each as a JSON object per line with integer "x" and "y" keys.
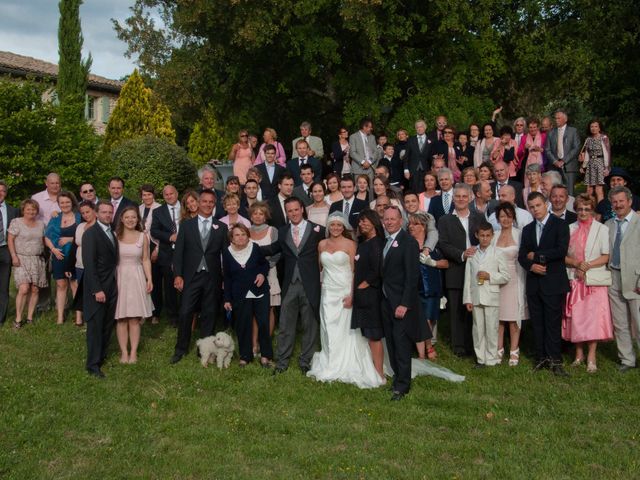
{"x": 513, "y": 362}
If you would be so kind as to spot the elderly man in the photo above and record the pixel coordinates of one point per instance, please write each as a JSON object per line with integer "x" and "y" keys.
{"x": 559, "y": 198}
{"x": 501, "y": 173}
{"x": 88, "y": 193}
{"x": 443, "y": 204}
{"x": 457, "y": 243}
{"x": 48, "y": 198}
{"x": 362, "y": 150}
{"x": 437, "y": 133}
{"x": 417, "y": 160}
{"x": 624, "y": 263}
{"x": 561, "y": 149}
{"x": 618, "y": 177}
{"x": 208, "y": 177}
{"x": 523, "y": 217}
{"x": 549, "y": 180}
{"x": 315, "y": 143}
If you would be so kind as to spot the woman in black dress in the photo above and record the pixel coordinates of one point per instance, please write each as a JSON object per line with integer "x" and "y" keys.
{"x": 367, "y": 281}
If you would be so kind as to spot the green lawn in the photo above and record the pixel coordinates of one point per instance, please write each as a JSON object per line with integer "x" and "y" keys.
{"x": 153, "y": 420}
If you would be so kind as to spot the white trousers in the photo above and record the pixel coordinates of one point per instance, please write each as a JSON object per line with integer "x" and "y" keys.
{"x": 485, "y": 334}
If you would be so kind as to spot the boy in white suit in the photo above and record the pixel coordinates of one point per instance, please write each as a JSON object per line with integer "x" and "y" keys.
{"x": 484, "y": 273}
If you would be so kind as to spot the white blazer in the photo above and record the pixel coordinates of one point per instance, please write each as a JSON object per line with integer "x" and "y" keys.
{"x": 521, "y": 274}
{"x": 488, "y": 294}
{"x": 597, "y": 244}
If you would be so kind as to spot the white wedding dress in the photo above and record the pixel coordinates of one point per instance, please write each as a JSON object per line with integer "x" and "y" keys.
{"x": 345, "y": 355}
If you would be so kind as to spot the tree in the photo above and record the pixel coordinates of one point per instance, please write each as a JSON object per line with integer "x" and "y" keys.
{"x": 207, "y": 140}
{"x": 71, "y": 84}
{"x": 138, "y": 113}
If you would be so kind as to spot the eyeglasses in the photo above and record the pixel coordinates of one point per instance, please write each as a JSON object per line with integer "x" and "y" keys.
{"x": 448, "y": 131}
{"x": 583, "y": 209}
{"x": 91, "y": 190}
{"x": 244, "y": 136}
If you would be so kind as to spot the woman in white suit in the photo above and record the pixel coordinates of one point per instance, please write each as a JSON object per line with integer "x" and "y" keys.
{"x": 513, "y": 302}
{"x": 587, "y": 317}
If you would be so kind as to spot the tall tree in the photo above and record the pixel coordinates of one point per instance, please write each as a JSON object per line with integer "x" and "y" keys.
{"x": 72, "y": 70}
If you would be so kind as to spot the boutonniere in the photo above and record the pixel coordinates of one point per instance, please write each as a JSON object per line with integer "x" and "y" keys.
{"x": 394, "y": 244}
{"x": 428, "y": 141}
{"x": 316, "y": 229}
{"x": 244, "y": 265}
{"x": 215, "y": 226}
{"x": 356, "y": 258}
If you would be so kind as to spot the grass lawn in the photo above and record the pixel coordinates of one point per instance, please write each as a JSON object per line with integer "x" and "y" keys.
{"x": 153, "y": 420}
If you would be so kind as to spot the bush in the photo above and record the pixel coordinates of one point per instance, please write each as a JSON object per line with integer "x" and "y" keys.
{"x": 155, "y": 161}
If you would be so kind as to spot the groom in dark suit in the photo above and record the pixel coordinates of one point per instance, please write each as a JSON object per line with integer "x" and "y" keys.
{"x": 198, "y": 271}
{"x": 300, "y": 287}
{"x": 401, "y": 308}
{"x": 98, "y": 291}
{"x": 543, "y": 248}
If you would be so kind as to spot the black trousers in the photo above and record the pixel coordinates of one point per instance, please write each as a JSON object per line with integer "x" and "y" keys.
{"x": 461, "y": 324}
{"x": 5, "y": 278}
{"x": 399, "y": 347}
{"x": 546, "y": 318}
{"x": 200, "y": 294}
{"x": 243, "y": 312}
{"x": 417, "y": 181}
{"x": 164, "y": 294}
{"x": 99, "y": 328}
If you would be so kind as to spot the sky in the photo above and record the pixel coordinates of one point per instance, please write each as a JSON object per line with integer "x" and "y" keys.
{"x": 30, "y": 27}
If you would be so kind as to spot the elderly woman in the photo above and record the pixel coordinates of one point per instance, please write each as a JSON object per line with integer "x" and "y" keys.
{"x": 596, "y": 159}
{"x": 485, "y": 172}
{"x": 587, "y": 317}
{"x": 231, "y": 203}
{"x": 246, "y": 293}
{"x": 60, "y": 238}
{"x": 270, "y": 137}
{"x": 241, "y": 155}
{"x": 513, "y": 305}
{"x": 533, "y": 180}
{"x": 25, "y": 239}
{"x": 431, "y": 285}
{"x": 470, "y": 176}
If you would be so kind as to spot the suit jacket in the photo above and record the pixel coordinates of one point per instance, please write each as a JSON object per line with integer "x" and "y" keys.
{"x": 189, "y": 251}
{"x": 302, "y": 195}
{"x": 571, "y": 147}
{"x": 487, "y": 294}
{"x": 418, "y": 160}
{"x": 356, "y": 207}
{"x": 124, "y": 203}
{"x": 436, "y": 208}
{"x": 100, "y": 259}
{"x": 357, "y": 153}
{"x": 569, "y": 217}
{"x": 12, "y": 212}
{"x": 293, "y": 166}
{"x": 491, "y": 206}
{"x": 453, "y": 242}
{"x": 162, "y": 227}
{"x": 629, "y": 255}
{"x": 518, "y": 188}
{"x": 315, "y": 144}
{"x": 554, "y": 243}
{"x": 268, "y": 187}
{"x": 305, "y": 258}
{"x": 401, "y": 279}
{"x": 278, "y": 216}
{"x": 240, "y": 279}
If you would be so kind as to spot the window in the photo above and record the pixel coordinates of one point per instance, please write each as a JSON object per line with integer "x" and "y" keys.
{"x": 91, "y": 108}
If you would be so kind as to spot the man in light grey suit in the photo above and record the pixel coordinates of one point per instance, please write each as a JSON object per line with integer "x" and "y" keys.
{"x": 624, "y": 262}
{"x": 316, "y": 148}
{"x": 562, "y": 148}
{"x": 362, "y": 150}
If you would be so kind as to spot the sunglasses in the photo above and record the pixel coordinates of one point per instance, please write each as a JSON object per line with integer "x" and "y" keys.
{"x": 244, "y": 136}
{"x": 91, "y": 190}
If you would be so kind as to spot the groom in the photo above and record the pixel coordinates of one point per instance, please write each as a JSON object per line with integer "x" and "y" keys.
{"x": 401, "y": 309}
{"x": 301, "y": 285}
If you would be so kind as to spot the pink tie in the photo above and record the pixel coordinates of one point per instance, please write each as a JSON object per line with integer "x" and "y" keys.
{"x": 296, "y": 235}
{"x": 115, "y": 204}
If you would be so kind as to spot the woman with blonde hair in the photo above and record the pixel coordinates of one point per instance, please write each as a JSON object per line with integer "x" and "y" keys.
{"x": 270, "y": 137}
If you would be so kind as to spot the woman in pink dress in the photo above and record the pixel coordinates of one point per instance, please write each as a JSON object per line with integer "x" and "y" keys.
{"x": 242, "y": 156}
{"x": 587, "y": 317}
{"x": 134, "y": 283}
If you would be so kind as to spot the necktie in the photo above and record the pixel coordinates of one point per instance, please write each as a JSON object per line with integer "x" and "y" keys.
{"x": 446, "y": 203}
{"x": 110, "y": 235}
{"x": 421, "y": 141}
{"x": 615, "y": 254}
{"x": 387, "y": 246}
{"x": 173, "y": 219}
{"x": 560, "y": 146}
{"x": 2, "y": 240}
{"x": 347, "y": 209}
{"x": 115, "y": 205}
{"x": 500, "y": 185}
{"x": 539, "y": 228}
{"x": 205, "y": 229}
{"x": 296, "y": 235}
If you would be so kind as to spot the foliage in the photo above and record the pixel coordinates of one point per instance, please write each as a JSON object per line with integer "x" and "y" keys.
{"x": 207, "y": 141}
{"x": 153, "y": 160}
{"x": 37, "y": 137}
{"x": 138, "y": 113}
{"x": 71, "y": 84}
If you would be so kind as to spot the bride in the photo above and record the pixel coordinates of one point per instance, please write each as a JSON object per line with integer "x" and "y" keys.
{"x": 345, "y": 354}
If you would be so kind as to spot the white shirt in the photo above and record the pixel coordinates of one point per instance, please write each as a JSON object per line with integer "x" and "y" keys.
{"x": 175, "y": 214}
{"x": 561, "y": 141}
{"x": 625, "y": 223}
{"x": 5, "y": 220}
{"x": 465, "y": 224}
{"x": 367, "y": 155}
{"x": 540, "y": 227}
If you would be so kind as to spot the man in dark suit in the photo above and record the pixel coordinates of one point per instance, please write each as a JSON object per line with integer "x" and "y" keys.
{"x": 437, "y": 134}
{"x": 303, "y": 191}
{"x": 198, "y": 271}
{"x": 458, "y": 243}
{"x": 98, "y": 290}
{"x": 7, "y": 213}
{"x": 276, "y": 204}
{"x": 208, "y": 176}
{"x": 294, "y": 165}
{"x": 501, "y": 172}
{"x": 116, "y": 189}
{"x": 165, "y": 224}
{"x": 401, "y": 307}
{"x": 561, "y": 150}
{"x": 350, "y": 206}
{"x": 443, "y": 204}
{"x": 270, "y": 172}
{"x": 543, "y": 248}
{"x": 417, "y": 159}
{"x": 298, "y": 242}
{"x": 559, "y": 198}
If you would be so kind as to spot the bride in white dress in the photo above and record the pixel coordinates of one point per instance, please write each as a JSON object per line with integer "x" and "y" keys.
{"x": 345, "y": 354}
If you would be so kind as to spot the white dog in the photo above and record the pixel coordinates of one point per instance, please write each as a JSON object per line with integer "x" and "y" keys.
{"x": 217, "y": 347}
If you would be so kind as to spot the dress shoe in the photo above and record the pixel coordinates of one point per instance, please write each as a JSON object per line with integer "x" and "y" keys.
{"x": 625, "y": 368}
{"x": 397, "y": 396}
{"x": 558, "y": 370}
{"x": 96, "y": 373}
{"x": 541, "y": 365}
{"x": 304, "y": 369}
{"x": 176, "y": 358}
{"x": 279, "y": 370}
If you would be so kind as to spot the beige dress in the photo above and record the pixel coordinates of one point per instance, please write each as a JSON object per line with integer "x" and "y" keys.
{"x": 29, "y": 248}
{"x": 133, "y": 299}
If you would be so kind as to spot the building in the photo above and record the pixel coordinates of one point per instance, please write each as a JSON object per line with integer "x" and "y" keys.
{"x": 102, "y": 93}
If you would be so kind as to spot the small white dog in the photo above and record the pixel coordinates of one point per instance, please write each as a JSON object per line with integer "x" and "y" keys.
{"x": 218, "y": 347}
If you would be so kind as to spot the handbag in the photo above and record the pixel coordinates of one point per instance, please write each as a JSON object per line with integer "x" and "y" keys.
{"x": 598, "y": 277}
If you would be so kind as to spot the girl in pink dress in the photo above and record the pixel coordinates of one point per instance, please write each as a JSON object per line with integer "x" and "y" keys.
{"x": 242, "y": 156}
{"x": 134, "y": 283}
{"x": 587, "y": 317}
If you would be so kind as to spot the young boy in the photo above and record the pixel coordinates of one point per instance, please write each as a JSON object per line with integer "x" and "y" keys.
{"x": 484, "y": 273}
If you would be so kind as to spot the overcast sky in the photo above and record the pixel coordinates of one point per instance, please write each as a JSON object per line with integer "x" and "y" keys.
{"x": 30, "y": 27}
